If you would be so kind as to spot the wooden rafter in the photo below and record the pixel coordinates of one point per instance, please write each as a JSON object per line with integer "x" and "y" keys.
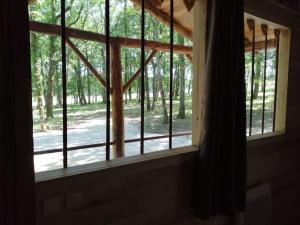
{"x": 164, "y": 17}
{"x": 138, "y": 72}
{"x": 259, "y": 45}
{"x": 86, "y": 62}
{"x": 52, "y": 29}
{"x": 189, "y": 4}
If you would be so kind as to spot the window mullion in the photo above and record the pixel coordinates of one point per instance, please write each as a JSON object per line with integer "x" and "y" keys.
{"x": 64, "y": 82}
{"x": 171, "y": 71}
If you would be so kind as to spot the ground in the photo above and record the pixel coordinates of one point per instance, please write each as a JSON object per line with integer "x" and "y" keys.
{"x": 87, "y": 125}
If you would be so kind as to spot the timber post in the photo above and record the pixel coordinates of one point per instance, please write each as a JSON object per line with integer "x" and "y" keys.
{"x": 117, "y": 101}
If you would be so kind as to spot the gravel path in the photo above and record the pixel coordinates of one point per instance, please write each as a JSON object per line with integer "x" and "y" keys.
{"x": 92, "y": 132}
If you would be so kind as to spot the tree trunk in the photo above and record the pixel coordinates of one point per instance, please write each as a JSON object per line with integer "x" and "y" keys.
{"x": 51, "y": 70}
{"x": 257, "y": 78}
{"x": 165, "y": 118}
{"x": 38, "y": 78}
{"x": 80, "y": 87}
{"x": 176, "y": 82}
{"x": 154, "y": 85}
{"x": 103, "y": 90}
{"x": 89, "y": 86}
{"x": 190, "y": 86}
{"x": 181, "y": 77}
{"x": 148, "y": 103}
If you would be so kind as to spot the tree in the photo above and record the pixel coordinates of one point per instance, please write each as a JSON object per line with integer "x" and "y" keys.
{"x": 258, "y": 73}
{"x": 38, "y": 82}
{"x": 160, "y": 79}
{"x": 181, "y": 64}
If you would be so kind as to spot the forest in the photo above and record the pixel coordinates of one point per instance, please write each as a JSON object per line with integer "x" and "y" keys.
{"x": 85, "y": 94}
{"x": 86, "y": 97}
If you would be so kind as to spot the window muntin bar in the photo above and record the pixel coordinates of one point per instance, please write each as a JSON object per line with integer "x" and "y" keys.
{"x": 265, "y": 32}
{"x": 142, "y": 75}
{"x": 171, "y": 72}
{"x": 82, "y": 147}
{"x": 64, "y": 82}
{"x": 251, "y": 24}
{"x": 277, "y": 38}
{"x": 107, "y": 44}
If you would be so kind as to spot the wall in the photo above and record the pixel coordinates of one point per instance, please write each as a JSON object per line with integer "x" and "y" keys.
{"x": 158, "y": 191}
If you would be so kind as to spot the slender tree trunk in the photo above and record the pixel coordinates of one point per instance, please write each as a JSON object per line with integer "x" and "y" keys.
{"x": 80, "y": 87}
{"x": 38, "y": 78}
{"x": 148, "y": 103}
{"x": 154, "y": 85}
{"x": 165, "y": 119}
{"x": 181, "y": 110}
{"x": 190, "y": 86}
{"x": 89, "y": 87}
{"x": 51, "y": 71}
{"x": 257, "y": 77}
{"x": 138, "y": 92}
{"x": 176, "y": 82}
{"x": 58, "y": 91}
{"x": 50, "y": 79}
{"x": 103, "y": 90}
{"x": 126, "y": 75}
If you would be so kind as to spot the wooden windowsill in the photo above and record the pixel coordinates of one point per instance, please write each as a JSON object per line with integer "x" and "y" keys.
{"x": 174, "y": 157}
{"x": 104, "y": 165}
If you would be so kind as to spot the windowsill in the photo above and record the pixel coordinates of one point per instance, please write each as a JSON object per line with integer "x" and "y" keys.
{"x": 104, "y": 165}
{"x": 261, "y": 139}
{"x": 253, "y": 141}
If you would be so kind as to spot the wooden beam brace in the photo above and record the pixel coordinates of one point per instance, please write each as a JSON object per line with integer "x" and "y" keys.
{"x": 164, "y": 18}
{"x": 86, "y": 62}
{"x": 53, "y": 29}
{"x": 189, "y": 57}
{"x": 117, "y": 102}
{"x": 138, "y": 72}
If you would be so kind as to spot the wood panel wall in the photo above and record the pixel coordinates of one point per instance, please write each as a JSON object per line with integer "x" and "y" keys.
{"x": 160, "y": 191}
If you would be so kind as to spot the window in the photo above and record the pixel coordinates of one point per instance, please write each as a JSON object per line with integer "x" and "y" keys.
{"x": 78, "y": 117}
{"x": 266, "y": 73}
{"x": 93, "y": 99}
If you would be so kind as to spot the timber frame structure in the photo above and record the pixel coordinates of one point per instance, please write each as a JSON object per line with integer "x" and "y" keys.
{"x": 159, "y": 9}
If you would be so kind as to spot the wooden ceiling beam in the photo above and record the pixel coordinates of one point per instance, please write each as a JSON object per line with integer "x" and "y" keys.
{"x": 53, "y": 29}
{"x": 259, "y": 45}
{"x": 164, "y": 18}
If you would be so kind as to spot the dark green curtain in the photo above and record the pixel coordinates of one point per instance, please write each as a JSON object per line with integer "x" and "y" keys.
{"x": 17, "y": 197}
{"x": 221, "y": 172}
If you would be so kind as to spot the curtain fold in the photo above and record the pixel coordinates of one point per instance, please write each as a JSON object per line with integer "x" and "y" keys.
{"x": 221, "y": 172}
{"x": 17, "y": 196}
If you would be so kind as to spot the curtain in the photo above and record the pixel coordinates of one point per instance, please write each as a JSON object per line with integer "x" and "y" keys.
{"x": 17, "y": 196}
{"x": 221, "y": 170}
